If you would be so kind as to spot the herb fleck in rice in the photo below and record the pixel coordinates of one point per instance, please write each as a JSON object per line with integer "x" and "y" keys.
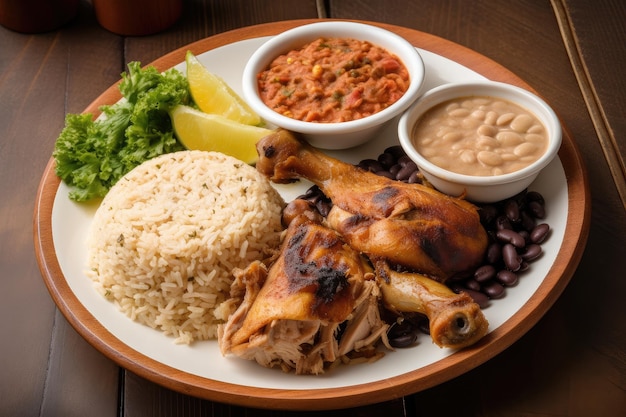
{"x": 166, "y": 237}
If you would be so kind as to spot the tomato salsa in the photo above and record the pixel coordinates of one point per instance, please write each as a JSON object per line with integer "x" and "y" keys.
{"x": 333, "y": 80}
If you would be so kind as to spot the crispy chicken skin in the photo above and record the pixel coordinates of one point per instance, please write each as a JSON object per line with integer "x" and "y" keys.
{"x": 410, "y": 225}
{"x": 289, "y": 315}
{"x": 455, "y": 320}
{"x": 383, "y": 244}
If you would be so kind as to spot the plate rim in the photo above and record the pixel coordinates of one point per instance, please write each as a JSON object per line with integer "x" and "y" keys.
{"x": 559, "y": 275}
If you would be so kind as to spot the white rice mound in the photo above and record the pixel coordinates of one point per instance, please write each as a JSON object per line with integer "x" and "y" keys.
{"x": 166, "y": 237}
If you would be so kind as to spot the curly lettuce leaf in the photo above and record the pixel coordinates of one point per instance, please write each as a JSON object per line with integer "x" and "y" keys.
{"x": 91, "y": 156}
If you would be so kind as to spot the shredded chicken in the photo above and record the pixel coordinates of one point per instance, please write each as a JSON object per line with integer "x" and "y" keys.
{"x": 317, "y": 303}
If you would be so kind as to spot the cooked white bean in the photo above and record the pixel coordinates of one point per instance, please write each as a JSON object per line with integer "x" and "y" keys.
{"x": 525, "y": 149}
{"x": 521, "y": 123}
{"x": 487, "y": 143}
{"x": 489, "y": 158}
{"x": 501, "y": 106}
{"x": 461, "y": 112}
{"x": 479, "y": 114}
{"x": 486, "y": 130}
{"x": 453, "y": 136}
{"x": 426, "y": 141}
{"x": 452, "y": 106}
{"x": 480, "y": 136}
{"x": 508, "y": 138}
{"x": 505, "y": 119}
{"x": 469, "y": 123}
{"x": 535, "y": 138}
{"x": 467, "y": 156}
{"x": 491, "y": 117}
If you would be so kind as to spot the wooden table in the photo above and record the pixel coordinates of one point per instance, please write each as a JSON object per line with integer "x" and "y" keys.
{"x": 571, "y": 51}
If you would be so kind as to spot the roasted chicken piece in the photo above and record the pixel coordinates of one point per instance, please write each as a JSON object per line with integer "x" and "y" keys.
{"x": 454, "y": 320}
{"x": 411, "y": 228}
{"x": 410, "y": 225}
{"x": 318, "y": 301}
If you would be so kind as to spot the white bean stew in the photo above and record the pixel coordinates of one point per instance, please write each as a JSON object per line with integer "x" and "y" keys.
{"x": 480, "y": 136}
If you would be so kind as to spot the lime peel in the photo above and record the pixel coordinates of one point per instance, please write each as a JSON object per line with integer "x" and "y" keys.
{"x": 214, "y": 96}
{"x": 197, "y": 130}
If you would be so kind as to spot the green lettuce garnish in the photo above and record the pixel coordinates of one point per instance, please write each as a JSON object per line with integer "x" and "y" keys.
{"x": 91, "y": 156}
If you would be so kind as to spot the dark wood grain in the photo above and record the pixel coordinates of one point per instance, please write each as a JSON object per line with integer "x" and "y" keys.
{"x": 594, "y": 40}
{"x": 47, "y": 369}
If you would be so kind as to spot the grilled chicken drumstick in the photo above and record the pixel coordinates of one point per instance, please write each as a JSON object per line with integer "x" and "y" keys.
{"x": 454, "y": 320}
{"x": 410, "y": 225}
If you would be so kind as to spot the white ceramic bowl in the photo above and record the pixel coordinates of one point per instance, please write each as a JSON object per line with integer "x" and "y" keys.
{"x": 482, "y": 189}
{"x": 339, "y": 135}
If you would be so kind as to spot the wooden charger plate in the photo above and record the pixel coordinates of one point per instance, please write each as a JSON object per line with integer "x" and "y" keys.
{"x": 576, "y": 229}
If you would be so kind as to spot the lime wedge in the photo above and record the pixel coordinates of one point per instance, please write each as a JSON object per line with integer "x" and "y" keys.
{"x": 214, "y": 96}
{"x": 197, "y": 130}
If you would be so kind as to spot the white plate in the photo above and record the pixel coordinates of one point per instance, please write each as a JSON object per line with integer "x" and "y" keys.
{"x": 61, "y": 227}
{"x": 70, "y": 223}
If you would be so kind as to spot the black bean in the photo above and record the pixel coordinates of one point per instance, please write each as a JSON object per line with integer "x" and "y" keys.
{"x": 537, "y": 209}
{"x": 503, "y": 222}
{"x": 400, "y": 327}
{"x": 494, "y": 290}
{"x": 520, "y": 197}
{"x": 396, "y": 151}
{"x": 363, "y": 165}
{"x": 535, "y": 196}
{"x": 539, "y": 233}
{"x": 531, "y": 252}
{"x": 323, "y": 206}
{"x": 403, "y": 340}
{"x": 406, "y": 171}
{"x": 386, "y": 160}
{"x": 507, "y": 278}
{"x": 494, "y": 253}
{"x": 510, "y": 236}
{"x": 376, "y": 166}
{"x": 485, "y": 273}
{"x": 472, "y": 284}
{"x": 479, "y": 298}
{"x": 415, "y": 178}
{"x": 523, "y": 266}
{"x": 402, "y": 334}
{"x": 394, "y": 169}
{"x": 311, "y": 191}
{"x": 404, "y": 159}
{"x": 386, "y": 174}
{"x": 511, "y": 258}
{"x": 511, "y": 210}
{"x": 527, "y": 221}
{"x": 488, "y": 213}
{"x": 525, "y": 235}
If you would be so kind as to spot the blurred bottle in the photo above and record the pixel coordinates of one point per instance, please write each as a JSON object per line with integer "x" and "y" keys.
{"x": 137, "y": 17}
{"x": 36, "y": 16}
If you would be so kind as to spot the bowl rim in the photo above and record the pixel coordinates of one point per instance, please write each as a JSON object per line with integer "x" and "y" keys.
{"x": 520, "y": 96}
{"x": 299, "y": 36}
